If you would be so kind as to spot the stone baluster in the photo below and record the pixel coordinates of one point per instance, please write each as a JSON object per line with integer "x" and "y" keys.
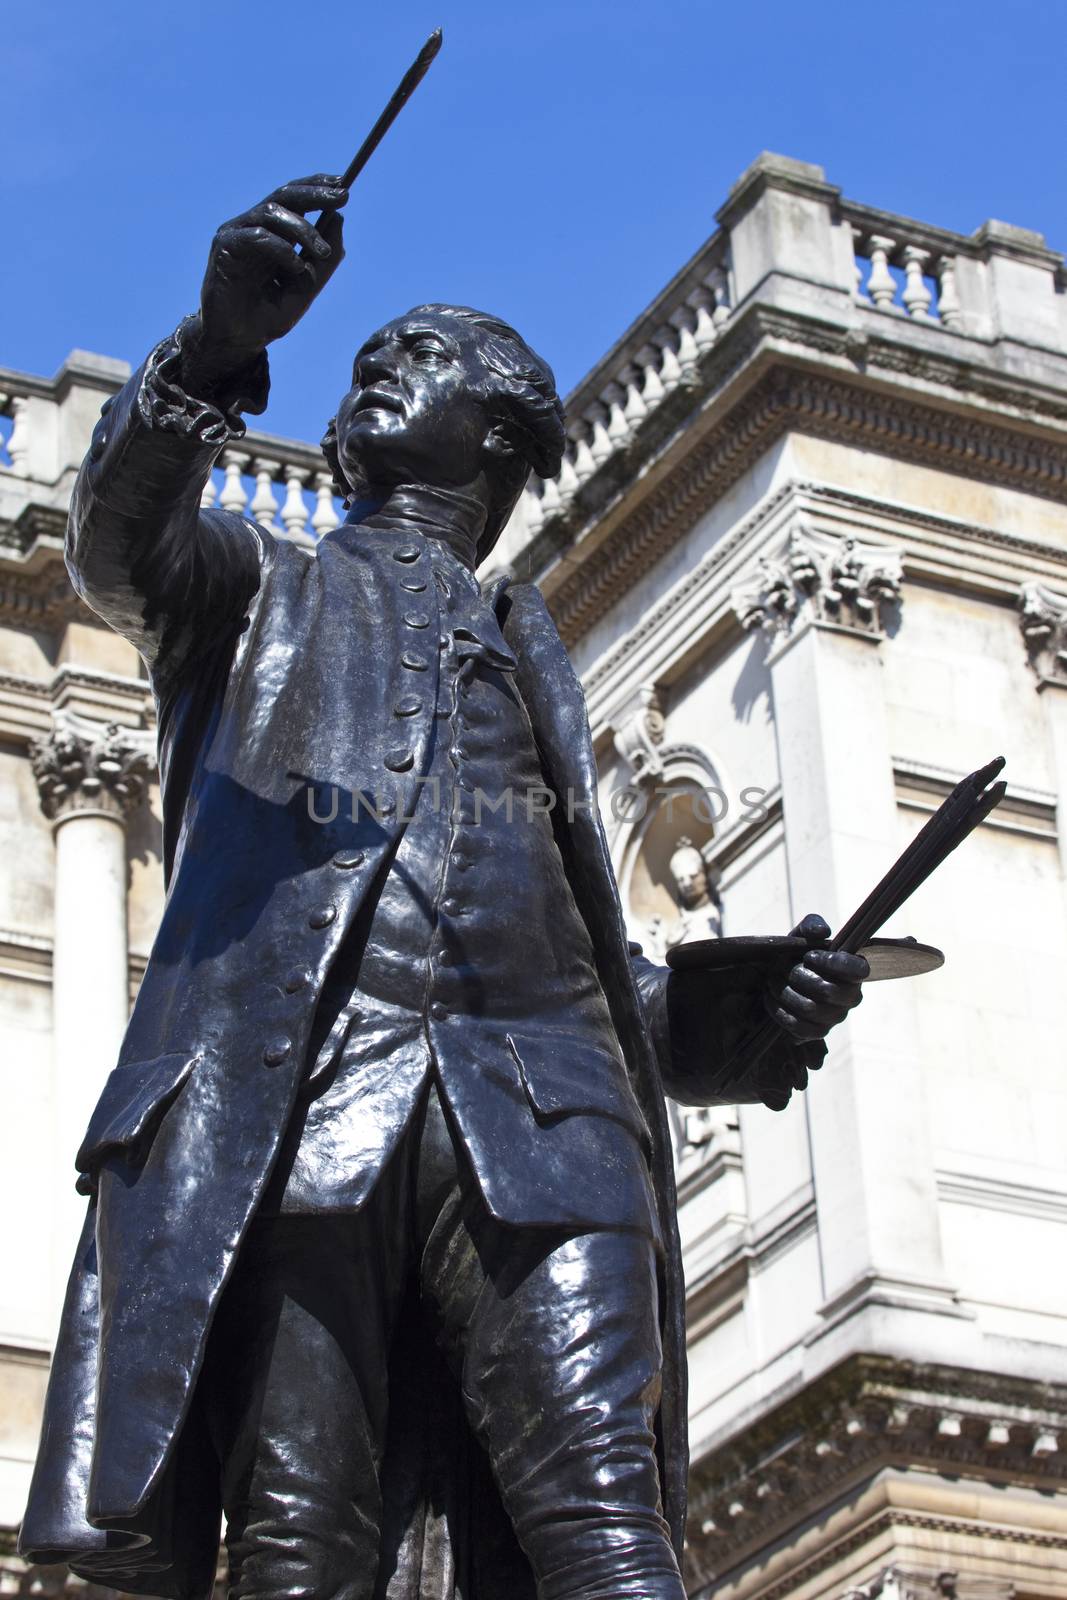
{"x": 916, "y": 296}
{"x": 325, "y": 517}
{"x": 90, "y": 777}
{"x": 532, "y": 515}
{"x": 648, "y": 358}
{"x": 550, "y": 498}
{"x": 859, "y": 294}
{"x": 18, "y": 444}
{"x": 233, "y": 497}
{"x": 719, "y": 284}
{"x": 264, "y": 506}
{"x": 209, "y": 495}
{"x": 949, "y": 308}
{"x": 600, "y": 446}
{"x": 688, "y": 354}
{"x": 294, "y": 511}
{"x": 635, "y": 410}
{"x": 618, "y": 427}
{"x": 670, "y": 369}
{"x": 568, "y": 479}
{"x": 705, "y": 333}
{"x": 881, "y": 284}
{"x": 584, "y": 465}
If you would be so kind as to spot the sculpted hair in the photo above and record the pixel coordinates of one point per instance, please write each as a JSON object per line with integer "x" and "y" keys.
{"x": 520, "y": 392}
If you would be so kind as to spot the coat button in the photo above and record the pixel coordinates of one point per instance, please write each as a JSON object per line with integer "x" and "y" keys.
{"x": 322, "y": 917}
{"x": 438, "y": 1012}
{"x": 387, "y": 808}
{"x": 412, "y": 585}
{"x": 276, "y": 1052}
{"x": 349, "y": 858}
{"x": 413, "y": 662}
{"x": 450, "y": 905}
{"x": 399, "y": 760}
{"x": 407, "y": 552}
{"x": 299, "y": 978}
{"x": 410, "y": 706}
{"x": 417, "y": 619}
{"x": 445, "y": 958}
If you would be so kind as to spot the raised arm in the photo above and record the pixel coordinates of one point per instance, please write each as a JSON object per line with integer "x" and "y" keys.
{"x": 140, "y": 551}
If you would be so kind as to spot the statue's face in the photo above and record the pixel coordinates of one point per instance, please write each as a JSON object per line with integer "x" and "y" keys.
{"x": 414, "y": 413}
{"x": 687, "y": 870}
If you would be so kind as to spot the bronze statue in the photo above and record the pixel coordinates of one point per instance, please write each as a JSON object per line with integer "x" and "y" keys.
{"x": 380, "y": 1257}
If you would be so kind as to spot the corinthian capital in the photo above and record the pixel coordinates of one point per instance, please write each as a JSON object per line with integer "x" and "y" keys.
{"x": 1043, "y": 620}
{"x": 820, "y": 578}
{"x": 82, "y": 765}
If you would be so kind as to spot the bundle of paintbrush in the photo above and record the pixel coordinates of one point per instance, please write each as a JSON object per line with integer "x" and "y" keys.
{"x": 970, "y": 803}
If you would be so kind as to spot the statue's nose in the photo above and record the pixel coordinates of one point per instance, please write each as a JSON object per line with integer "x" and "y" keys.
{"x": 376, "y": 367}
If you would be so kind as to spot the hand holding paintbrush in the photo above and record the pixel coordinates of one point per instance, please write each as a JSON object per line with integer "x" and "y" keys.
{"x": 969, "y": 804}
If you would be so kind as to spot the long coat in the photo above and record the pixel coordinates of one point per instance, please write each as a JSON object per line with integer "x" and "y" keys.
{"x": 270, "y": 676}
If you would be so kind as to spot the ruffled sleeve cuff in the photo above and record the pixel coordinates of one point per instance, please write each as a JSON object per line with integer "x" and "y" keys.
{"x": 165, "y": 406}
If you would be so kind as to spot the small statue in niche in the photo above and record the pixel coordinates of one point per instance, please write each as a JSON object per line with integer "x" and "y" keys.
{"x": 699, "y": 912}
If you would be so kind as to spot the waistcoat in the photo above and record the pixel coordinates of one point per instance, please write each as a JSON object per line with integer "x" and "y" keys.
{"x": 473, "y": 915}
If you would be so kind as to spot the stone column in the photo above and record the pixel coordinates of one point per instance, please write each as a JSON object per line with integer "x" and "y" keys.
{"x": 90, "y": 776}
{"x": 823, "y": 600}
{"x": 1043, "y": 620}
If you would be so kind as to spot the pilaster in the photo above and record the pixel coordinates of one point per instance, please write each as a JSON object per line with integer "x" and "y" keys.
{"x": 826, "y": 605}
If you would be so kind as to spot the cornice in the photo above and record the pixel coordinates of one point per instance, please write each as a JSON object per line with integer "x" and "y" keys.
{"x": 35, "y": 589}
{"x": 875, "y": 1532}
{"x": 792, "y": 398}
{"x": 34, "y": 522}
{"x": 868, "y": 1413}
{"x": 27, "y": 703}
{"x": 937, "y": 549}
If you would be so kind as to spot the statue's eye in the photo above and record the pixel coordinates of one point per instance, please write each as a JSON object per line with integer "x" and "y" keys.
{"x": 425, "y": 352}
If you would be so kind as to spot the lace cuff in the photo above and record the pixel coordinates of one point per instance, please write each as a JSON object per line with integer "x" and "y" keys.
{"x": 164, "y": 404}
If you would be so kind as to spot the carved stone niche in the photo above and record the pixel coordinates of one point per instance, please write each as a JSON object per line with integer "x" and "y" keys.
{"x": 1043, "y": 620}
{"x": 821, "y": 578}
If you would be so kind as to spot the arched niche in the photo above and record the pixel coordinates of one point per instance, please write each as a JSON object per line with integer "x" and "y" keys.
{"x": 685, "y": 802}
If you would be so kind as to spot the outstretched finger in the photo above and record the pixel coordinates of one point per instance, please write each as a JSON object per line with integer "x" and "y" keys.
{"x": 323, "y": 192}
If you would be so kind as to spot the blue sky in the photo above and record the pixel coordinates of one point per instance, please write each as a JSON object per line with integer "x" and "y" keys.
{"x": 559, "y": 163}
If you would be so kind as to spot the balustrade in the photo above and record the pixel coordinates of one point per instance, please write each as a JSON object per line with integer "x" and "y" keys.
{"x": 289, "y": 498}
{"x": 899, "y": 275}
{"x": 605, "y": 424}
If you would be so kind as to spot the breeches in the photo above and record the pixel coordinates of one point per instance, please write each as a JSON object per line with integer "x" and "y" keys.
{"x": 552, "y": 1340}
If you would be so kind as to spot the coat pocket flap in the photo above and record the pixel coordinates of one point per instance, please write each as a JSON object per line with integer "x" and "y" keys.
{"x": 132, "y": 1105}
{"x": 564, "y": 1078}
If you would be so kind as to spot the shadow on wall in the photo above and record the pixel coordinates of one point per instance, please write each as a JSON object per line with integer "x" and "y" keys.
{"x": 753, "y": 682}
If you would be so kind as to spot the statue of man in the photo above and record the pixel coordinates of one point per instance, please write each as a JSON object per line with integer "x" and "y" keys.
{"x": 699, "y": 915}
{"x": 380, "y": 1258}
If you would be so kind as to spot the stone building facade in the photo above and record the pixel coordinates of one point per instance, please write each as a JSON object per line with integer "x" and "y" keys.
{"x": 809, "y": 552}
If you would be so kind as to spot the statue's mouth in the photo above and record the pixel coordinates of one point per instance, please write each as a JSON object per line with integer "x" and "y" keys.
{"x": 379, "y": 399}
